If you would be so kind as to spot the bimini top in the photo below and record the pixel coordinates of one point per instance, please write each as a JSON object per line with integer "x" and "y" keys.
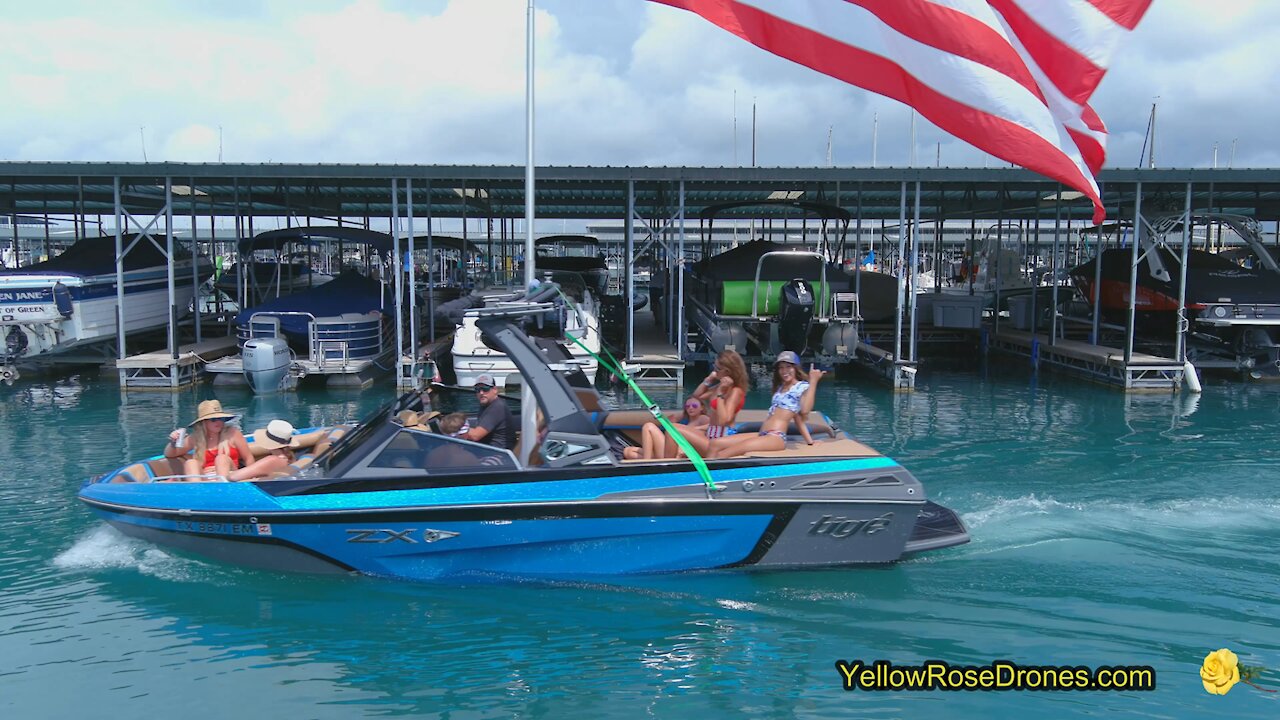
{"x": 350, "y": 292}
{"x": 97, "y": 256}
{"x": 740, "y": 263}
{"x": 276, "y": 239}
{"x": 581, "y": 240}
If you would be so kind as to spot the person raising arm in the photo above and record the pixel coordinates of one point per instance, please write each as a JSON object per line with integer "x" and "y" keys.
{"x": 217, "y": 447}
{"x": 793, "y": 397}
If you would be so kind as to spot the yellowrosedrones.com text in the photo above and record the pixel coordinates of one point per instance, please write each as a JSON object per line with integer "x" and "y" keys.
{"x": 999, "y": 675}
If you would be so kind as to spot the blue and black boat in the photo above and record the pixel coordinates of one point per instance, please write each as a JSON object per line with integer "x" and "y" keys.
{"x": 391, "y": 497}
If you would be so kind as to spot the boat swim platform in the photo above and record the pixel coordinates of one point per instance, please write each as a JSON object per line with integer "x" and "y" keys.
{"x": 1099, "y": 363}
{"x": 158, "y": 370}
{"x": 228, "y": 371}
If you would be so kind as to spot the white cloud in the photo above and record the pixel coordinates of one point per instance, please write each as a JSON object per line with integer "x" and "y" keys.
{"x": 618, "y": 82}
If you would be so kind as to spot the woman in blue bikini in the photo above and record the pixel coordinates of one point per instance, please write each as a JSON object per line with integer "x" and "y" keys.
{"x": 793, "y": 395}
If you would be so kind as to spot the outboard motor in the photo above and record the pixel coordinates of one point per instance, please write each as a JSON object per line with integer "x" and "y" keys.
{"x": 15, "y": 343}
{"x": 266, "y": 364}
{"x": 795, "y": 315}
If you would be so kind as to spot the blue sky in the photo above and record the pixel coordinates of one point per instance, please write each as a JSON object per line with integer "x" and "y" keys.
{"x": 619, "y": 82}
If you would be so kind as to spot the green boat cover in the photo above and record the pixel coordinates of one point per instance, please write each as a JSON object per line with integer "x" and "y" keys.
{"x": 735, "y": 297}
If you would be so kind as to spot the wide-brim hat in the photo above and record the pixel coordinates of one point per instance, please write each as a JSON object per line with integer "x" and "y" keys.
{"x": 277, "y": 434}
{"x": 786, "y": 356}
{"x": 409, "y": 418}
{"x": 210, "y": 410}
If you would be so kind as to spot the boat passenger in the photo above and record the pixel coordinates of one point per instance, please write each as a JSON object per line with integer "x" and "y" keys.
{"x": 216, "y": 446}
{"x": 793, "y": 395}
{"x": 454, "y": 424}
{"x": 724, "y": 391}
{"x": 448, "y": 454}
{"x": 495, "y": 425}
{"x": 278, "y": 438}
{"x": 654, "y": 439}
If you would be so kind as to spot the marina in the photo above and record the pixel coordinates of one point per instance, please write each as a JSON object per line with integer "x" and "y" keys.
{"x": 937, "y": 263}
{"x": 806, "y": 359}
{"x": 1077, "y": 500}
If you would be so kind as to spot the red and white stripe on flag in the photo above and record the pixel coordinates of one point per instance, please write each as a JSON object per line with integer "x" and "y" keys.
{"x": 1011, "y": 77}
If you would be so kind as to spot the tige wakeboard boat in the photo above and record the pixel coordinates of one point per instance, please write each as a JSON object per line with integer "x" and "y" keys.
{"x": 391, "y": 497}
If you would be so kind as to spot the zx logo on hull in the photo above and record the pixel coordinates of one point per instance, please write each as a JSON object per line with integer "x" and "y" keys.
{"x": 382, "y": 536}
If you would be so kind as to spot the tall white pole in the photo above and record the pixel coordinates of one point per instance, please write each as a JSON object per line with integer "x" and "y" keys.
{"x": 528, "y": 149}
{"x": 528, "y": 403}
{"x": 912, "y": 159}
{"x": 875, "y": 132}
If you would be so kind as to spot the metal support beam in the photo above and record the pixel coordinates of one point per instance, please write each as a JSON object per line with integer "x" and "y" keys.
{"x": 1131, "y": 325}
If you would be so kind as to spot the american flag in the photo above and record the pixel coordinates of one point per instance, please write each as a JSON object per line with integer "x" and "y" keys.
{"x": 1010, "y": 77}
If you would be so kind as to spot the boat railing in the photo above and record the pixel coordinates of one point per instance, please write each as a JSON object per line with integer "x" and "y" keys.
{"x": 337, "y": 339}
{"x": 822, "y": 313}
{"x": 346, "y": 337}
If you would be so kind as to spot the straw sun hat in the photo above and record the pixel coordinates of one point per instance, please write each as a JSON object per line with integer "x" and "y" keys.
{"x": 278, "y": 434}
{"x": 210, "y": 410}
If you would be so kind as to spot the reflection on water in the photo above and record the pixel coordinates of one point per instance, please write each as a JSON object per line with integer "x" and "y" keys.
{"x": 1106, "y": 529}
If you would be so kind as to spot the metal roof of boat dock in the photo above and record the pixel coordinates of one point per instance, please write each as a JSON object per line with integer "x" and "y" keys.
{"x": 365, "y": 190}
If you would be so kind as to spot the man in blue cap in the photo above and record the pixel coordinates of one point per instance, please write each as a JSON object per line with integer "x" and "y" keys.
{"x": 495, "y": 426}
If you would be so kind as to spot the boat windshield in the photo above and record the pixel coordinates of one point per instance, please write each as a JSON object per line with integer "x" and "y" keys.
{"x": 352, "y": 440}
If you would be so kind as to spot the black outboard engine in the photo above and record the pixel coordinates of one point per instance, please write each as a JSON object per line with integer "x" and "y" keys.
{"x": 795, "y": 315}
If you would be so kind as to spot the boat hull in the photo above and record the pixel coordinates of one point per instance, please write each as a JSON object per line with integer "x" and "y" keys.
{"x": 29, "y": 307}
{"x": 855, "y": 512}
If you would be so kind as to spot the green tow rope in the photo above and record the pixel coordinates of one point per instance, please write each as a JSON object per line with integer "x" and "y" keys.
{"x": 613, "y": 366}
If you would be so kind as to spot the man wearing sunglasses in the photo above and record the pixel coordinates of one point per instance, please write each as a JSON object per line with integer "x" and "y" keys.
{"x": 495, "y": 424}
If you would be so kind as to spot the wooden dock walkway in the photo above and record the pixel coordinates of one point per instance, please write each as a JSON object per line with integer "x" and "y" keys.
{"x": 652, "y": 358}
{"x": 1101, "y": 363}
{"x": 158, "y": 370}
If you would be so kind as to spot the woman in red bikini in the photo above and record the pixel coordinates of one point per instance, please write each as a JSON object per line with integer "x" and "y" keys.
{"x": 217, "y": 448}
{"x": 724, "y": 391}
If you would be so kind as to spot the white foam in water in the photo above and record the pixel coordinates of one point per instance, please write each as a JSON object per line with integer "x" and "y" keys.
{"x": 103, "y": 548}
{"x": 1009, "y": 523}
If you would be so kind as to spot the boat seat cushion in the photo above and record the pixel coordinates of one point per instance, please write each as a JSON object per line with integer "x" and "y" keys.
{"x": 137, "y": 472}
{"x": 148, "y": 470}
{"x": 751, "y": 420}
{"x": 841, "y": 447}
{"x": 304, "y": 442}
{"x": 331, "y": 436}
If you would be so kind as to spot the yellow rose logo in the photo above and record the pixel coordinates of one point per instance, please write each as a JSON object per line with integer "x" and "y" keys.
{"x": 1221, "y": 671}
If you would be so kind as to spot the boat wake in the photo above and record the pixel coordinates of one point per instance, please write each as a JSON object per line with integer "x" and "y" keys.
{"x": 1015, "y": 523}
{"x": 104, "y": 548}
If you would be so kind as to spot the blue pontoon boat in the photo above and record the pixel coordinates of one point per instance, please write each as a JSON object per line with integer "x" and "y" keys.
{"x": 391, "y": 497}
{"x": 340, "y": 332}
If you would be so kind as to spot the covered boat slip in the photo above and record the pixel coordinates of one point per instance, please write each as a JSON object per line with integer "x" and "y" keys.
{"x": 915, "y": 214}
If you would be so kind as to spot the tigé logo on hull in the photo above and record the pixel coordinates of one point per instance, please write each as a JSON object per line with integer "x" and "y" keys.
{"x": 840, "y": 527}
